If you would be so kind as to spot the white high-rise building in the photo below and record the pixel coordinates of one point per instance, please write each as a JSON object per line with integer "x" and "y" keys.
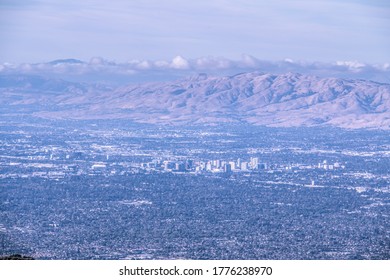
{"x": 244, "y": 165}
{"x": 232, "y": 165}
{"x": 254, "y": 162}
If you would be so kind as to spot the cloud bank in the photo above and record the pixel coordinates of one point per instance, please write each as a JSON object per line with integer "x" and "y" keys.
{"x": 101, "y": 70}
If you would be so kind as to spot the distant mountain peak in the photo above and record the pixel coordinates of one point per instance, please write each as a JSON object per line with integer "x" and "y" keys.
{"x": 66, "y": 61}
{"x": 199, "y": 77}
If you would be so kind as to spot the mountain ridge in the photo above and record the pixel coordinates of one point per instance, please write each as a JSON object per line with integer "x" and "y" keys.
{"x": 257, "y": 98}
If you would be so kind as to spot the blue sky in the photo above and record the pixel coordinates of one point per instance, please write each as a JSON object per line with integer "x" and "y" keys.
{"x": 121, "y": 30}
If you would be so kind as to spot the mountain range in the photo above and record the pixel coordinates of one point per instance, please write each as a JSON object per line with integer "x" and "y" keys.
{"x": 283, "y": 100}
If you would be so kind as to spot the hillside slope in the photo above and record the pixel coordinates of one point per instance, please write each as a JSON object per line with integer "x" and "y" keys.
{"x": 262, "y": 99}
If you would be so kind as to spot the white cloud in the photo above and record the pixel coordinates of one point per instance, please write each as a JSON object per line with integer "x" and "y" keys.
{"x": 212, "y": 63}
{"x": 144, "y": 65}
{"x": 96, "y": 61}
{"x": 352, "y": 65}
{"x": 98, "y": 69}
{"x": 161, "y": 64}
{"x": 249, "y": 60}
{"x": 179, "y": 63}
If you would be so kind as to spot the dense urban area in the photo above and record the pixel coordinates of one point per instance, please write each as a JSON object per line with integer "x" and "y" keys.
{"x": 118, "y": 190}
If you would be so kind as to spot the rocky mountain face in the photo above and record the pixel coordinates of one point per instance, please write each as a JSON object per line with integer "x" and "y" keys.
{"x": 261, "y": 99}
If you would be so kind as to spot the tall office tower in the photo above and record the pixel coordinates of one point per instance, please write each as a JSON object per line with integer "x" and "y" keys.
{"x": 189, "y": 164}
{"x": 262, "y": 166}
{"x": 244, "y": 165}
{"x": 180, "y": 166}
{"x": 169, "y": 165}
{"x": 228, "y": 168}
{"x": 254, "y": 162}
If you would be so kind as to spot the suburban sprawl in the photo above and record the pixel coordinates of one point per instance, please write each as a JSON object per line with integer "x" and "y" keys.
{"x": 119, "y": 190}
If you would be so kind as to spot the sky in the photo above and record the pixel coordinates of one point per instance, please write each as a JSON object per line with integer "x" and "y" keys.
{"x": 176, "y": 32}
